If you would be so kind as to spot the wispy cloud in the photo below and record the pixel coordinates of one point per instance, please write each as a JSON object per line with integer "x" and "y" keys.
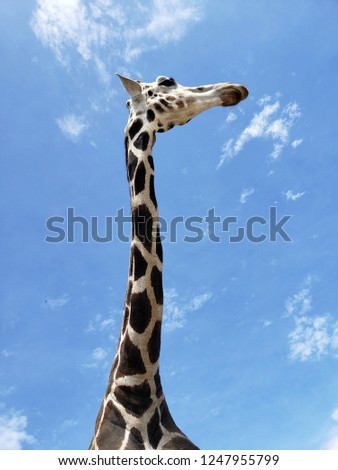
{"x": 331, "y": 442}
{"x": 291, "y": 196}
{"x": 231, "y": 117}
{"x": 271, "y": 122}
{"x": 166, "y": 21}
{"x": 124, "y": 29}
{"x": 97, "y": 359}
{"x": 301, "y": 302}
{"x": 105, "y": 328}
{"x": 13, "y": 432}
{"x": 334, "y": 415}
{"x": 5, "y": 391}
{"x": 99, "y": 354}
{"x": 296, "y": 143}
{"x": 57, "y": 302}
{"x": 68, "y": 423}
{"x": 6, "y": 353}
{"x": 72, "y": 126}
{"x": 313, "y": 336}
{"x": 66, "y": 25}
{"x": 176, "y": 310}
{"x": 99, "y": 323}
{"x": 245, "y": 194}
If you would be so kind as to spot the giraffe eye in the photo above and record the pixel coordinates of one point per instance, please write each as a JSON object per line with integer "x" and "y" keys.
{"x": 168, "y": 82}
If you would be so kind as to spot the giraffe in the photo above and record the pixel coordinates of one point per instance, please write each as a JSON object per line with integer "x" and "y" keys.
{"x": 134, "y": 413}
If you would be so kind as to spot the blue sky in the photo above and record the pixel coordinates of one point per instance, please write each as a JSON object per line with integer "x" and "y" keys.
{"x": 250, "y": 337}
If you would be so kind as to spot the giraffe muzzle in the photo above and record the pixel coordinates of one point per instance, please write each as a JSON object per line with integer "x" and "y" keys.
{"x": 233, "y": 94}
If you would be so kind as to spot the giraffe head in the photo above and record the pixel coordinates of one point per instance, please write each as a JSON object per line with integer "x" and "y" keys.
{"x": 164, "y": 103}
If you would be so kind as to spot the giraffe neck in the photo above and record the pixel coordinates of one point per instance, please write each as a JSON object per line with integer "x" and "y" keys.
{"x": 143, "y": 308}
{"x": 134, "y": 413}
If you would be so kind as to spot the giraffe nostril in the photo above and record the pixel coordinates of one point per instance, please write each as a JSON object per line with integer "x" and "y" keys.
{"x": 233, "y": 94}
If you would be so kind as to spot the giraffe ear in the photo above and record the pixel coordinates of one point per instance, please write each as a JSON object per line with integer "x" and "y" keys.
{"x": 131, "y": 86}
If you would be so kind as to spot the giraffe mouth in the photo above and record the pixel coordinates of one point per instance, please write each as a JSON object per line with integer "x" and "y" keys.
{"x": 232, "y": 95}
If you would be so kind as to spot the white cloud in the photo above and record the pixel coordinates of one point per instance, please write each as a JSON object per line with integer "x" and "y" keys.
{"x": 332, "y": 441}
{"x": 97, "y": 359}
{"x": 265, "y": 99}
{"x": 313, "y": 336}
{"x": 334, "y": 415}
{"x": 334, "y": 339}
{"x": 99, "y": 354}
{"x": 13, "y": 433}
{"x": 68, "y": 423}
{"x": 271, "y": 122}
{"x": 63, "y": 24}
{"x": 72, "y": 126}
{"x": 291, "y": 196}
{"x": 107, "y": 323}
{"x": 245, "y": 194}
{"x": 5, "y": 353}
{"x": 301, "y": 302}
{"x": 176, "y": 310}
{"x": 198, "y": 301}
{"x": 58, "y": 302}
{"x": 103, "y": 29}
{"x": 168, "y": 21}
{"x": 231, "y": 117}
{"x": 5, "y": 391}
{"x": 296, "y": 143}
{"x": 99, "y": 324}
